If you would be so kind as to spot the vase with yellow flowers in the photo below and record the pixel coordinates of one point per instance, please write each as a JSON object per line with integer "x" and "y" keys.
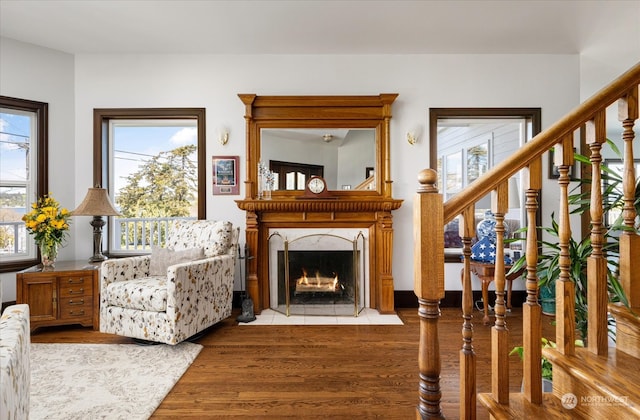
{"x": 48, "y": 223}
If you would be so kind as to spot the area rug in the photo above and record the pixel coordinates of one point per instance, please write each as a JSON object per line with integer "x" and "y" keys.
{"x": 104, "y": 381}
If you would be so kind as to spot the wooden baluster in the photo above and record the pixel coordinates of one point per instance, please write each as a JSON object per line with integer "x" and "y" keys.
{"x": 467, "y": 355}
{"x": 531, "y": 310}
{"x": 597, "y": 293}
{"x": 629, "y": 241}
{"x": 428, "y": 222}
{"x": 565, "y": 288}
{"x": 499, "y": 333}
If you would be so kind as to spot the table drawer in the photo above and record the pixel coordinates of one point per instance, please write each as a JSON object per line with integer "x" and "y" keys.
{"x": 74, "y": 286}
{"x": 76, "y": 307}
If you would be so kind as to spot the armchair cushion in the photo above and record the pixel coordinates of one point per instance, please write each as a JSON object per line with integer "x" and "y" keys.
{"x": 214, "y": 237}
{"x": 163, "y": 258}
{"x": 144, "y": 294}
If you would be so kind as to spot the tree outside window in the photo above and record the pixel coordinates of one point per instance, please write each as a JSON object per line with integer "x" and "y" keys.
{"x": 155, "y": 161}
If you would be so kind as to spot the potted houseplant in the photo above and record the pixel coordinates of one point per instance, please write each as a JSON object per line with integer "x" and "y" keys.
{"x": 579, "y": 250}
{"x": 547, "y": 367}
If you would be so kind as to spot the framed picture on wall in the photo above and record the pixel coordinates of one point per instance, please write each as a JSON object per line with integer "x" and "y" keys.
{"x": 225, "y": 175}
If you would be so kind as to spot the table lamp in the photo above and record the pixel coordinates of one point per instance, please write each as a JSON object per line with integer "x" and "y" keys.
{"x": 97, "y": 204}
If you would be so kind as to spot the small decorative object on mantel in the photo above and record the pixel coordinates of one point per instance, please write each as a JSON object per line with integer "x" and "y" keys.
{"x": 317, "y": 188}
{"x": 48, "y": 223}
{"x": 266, "y": 181}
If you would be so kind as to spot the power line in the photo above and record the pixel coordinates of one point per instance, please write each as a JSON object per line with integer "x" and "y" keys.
{"x": 15, "y": 135}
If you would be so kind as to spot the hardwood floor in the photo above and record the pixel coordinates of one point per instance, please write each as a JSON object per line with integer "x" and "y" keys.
{"x": 306, "y": 372}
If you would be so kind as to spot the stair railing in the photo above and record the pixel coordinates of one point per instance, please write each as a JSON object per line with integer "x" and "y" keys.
{"x": 431, "y": 214}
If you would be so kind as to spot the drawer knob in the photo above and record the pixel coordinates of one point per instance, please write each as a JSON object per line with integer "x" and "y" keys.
{"x": 77, "y": 313}
{"x": 77, "y": 302}
{"x": 76, "y": 280}
{"x": 79, "y": 291}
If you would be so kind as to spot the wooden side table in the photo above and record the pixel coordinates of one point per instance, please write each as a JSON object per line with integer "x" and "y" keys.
{"x": 63, "y": 295}
{"x": 486, "y": 272}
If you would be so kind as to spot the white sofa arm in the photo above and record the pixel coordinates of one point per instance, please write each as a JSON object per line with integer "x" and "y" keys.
{"x": 15, "y": 368}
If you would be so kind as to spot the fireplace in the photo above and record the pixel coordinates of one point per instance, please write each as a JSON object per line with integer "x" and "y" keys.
{"x": 368, "y": 210}
{"x": 317, "y": 273}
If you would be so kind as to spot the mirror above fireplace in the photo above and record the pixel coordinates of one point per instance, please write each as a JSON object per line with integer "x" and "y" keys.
{"x": 299, "y": 129}
{"x": 345, "y": 157}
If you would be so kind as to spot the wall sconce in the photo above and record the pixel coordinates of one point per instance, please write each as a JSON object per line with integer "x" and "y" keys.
{"x": 414, "y": 134}
{"x": 224, "y": 136}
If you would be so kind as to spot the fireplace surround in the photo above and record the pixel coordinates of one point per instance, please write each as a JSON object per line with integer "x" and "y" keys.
{"x": 369, "y": 210}
{"x": 318, "y": 271}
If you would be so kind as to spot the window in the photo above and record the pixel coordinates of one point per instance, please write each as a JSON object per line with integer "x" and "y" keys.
{"x": 466, "y": 143}
{"x": 23, "y": 176}
{"x": 295, "y": 175}
{"x": 152, "y": 163}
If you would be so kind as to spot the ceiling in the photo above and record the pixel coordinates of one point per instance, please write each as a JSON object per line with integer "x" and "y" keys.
{"x": 318, "y": 27}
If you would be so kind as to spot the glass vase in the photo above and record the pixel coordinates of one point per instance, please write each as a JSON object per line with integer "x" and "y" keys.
{"x": 48, "y": 254}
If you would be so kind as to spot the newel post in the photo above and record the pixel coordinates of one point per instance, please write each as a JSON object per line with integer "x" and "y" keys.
{"x": 428, "y": 222}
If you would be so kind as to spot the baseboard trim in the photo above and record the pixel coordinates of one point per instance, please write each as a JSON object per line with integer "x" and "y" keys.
{"x": 453, "y": 298}
{"x": 408, "y": 299}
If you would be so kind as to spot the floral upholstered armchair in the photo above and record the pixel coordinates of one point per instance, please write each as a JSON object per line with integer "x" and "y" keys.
{"x": 177, "y": 291}
{"x": 15, "y": 365}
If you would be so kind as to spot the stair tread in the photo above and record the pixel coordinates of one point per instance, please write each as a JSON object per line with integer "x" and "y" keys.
{"x": 616, "y": 375}
{"x": 520, "y": 408}
{"x": 631, "y": 314}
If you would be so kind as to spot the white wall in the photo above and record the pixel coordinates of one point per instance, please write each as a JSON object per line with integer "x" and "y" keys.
{"x": 422, "y": 81}
{"x": 45, "y": 75}
{"x": 213, "y": 82}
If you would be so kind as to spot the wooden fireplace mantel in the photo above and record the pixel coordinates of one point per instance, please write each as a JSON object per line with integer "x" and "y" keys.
{"x": 372, "y": 215}
{"x": 368, "y": 210}
{"x": 336, "y": 207}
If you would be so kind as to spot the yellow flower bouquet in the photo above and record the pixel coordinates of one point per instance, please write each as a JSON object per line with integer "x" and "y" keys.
{"x": 48, "y": 223}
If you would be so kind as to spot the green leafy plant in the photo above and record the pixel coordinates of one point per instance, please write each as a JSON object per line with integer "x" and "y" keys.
{"x": 547, "y": 367}
{"x": 548, "y": 268}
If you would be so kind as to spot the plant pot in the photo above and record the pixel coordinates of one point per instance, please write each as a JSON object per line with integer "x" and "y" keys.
{"x": 547, "y": 385}
{"x": 548, "y": 299}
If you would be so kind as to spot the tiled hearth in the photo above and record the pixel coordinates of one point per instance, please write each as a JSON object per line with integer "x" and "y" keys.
{"x": 367, "y": 316}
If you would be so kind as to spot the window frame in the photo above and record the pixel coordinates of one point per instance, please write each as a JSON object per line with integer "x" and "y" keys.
{"x": 283, "y": 168}
{"x": 41, "y": 180}
{"x": 101, "y": 161}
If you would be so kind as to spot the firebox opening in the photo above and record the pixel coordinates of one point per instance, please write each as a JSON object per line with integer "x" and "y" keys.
{"x": 317, "y": 278}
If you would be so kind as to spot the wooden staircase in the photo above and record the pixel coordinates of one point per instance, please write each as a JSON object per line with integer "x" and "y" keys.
{"x": 597, "y": 381}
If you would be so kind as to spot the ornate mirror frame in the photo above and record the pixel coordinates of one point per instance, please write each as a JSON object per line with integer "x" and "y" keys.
{"x": 317, "y": 112}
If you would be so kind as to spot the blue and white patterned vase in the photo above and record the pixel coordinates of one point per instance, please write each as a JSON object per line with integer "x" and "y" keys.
{"x": 487, "y": 227}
